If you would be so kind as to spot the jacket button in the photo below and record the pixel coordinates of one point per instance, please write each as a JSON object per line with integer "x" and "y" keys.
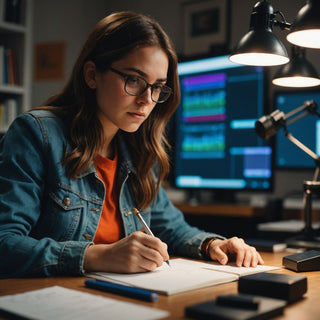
{"x": 87, "y": 236}
{"x": 66, "y": 201}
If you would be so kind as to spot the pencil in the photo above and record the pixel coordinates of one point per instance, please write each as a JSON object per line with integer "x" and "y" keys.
{"x": 146, "y": 227}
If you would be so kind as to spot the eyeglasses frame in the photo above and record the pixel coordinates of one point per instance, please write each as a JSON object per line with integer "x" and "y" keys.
{"x": 125, "y": 76}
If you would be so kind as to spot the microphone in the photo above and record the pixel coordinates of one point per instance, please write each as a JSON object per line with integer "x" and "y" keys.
{"x": 268, "y": 126}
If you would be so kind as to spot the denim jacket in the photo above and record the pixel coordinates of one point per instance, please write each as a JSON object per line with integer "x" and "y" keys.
{"x": 47, "y": 220}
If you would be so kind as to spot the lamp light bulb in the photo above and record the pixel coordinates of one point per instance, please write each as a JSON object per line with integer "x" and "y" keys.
{"x": 296, "y": 82}
{"x": 259, "y": 59}
{"x": 305, "y": 38}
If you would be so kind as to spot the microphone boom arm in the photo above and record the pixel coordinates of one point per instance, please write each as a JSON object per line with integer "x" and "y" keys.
{"x": 266, "y": 127}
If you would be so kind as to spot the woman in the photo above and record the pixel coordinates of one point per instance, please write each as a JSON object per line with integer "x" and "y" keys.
{"x": 73, "y": 171}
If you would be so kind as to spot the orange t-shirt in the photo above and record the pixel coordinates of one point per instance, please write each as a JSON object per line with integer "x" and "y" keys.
{"x": 110, "y": 225}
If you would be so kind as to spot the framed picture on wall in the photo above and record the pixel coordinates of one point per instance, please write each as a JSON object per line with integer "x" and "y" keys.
{"x": 49, "y": 61}
{"x": 205, "y": 26}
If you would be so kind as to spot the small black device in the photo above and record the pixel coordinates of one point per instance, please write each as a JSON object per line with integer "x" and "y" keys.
{"x": 275, "y": 285}
{"x": 304, "y": 261}
{"x": 237, "y": 307}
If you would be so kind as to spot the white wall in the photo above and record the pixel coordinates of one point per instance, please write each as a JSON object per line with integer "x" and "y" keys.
{"x": 72, "y": 20}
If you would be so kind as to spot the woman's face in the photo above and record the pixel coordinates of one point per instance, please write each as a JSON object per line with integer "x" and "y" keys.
{"x": 118, "y": 109}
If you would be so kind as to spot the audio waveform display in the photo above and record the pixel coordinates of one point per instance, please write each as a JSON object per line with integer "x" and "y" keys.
{"x": 216, "y": 146}
{"x": 204, "y": 142}
{"x": 204, "y": 98}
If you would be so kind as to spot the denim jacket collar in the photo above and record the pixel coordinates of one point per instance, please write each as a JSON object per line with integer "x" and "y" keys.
{"x": 125, "y": 159}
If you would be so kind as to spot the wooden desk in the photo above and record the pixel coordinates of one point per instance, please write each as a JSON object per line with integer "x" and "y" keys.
{"x": 307, "y": 309}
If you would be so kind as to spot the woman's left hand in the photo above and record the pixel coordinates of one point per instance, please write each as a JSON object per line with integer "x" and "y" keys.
{"x": 224, "y": 250}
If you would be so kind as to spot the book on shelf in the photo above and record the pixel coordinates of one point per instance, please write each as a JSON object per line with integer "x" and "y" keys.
{"x": 8, "y": 112}
{"x": 2, "y": 72}
{"x": 8, "y": 66}
{"x": 182, "y": 275}
{"x": 11, "y": 67}
{"x": 12, "y": 11}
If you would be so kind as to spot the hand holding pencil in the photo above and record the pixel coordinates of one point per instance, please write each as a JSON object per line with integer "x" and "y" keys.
{"x": 146, "y": 227}
{"x": 138, "y": 252}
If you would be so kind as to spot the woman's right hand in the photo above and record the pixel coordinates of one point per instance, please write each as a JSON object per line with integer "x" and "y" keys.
{"x": 138, "y": 252}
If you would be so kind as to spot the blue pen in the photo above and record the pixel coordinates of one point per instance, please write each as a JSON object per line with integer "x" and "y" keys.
{"x": 122, "y": 290}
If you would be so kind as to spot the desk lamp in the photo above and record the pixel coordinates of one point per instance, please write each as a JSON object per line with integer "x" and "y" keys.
{"x": 266, "y": 127}
{"x": 305, "y": 30}
{"x": 299, "y": 72}
{"x": 260, "y": 47}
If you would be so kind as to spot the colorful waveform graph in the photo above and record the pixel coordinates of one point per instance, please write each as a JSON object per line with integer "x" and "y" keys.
{"x": 204, "y": 98}
{"x": 203, "y": 141}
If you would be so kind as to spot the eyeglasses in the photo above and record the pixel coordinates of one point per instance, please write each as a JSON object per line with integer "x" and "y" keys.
{"x": 135, "y": 86}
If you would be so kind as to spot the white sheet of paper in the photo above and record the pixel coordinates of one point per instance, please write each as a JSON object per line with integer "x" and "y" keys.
{"x": 65, "y": 304}
{"x": 232, "y": 268}
{"x": 182, "y": 275}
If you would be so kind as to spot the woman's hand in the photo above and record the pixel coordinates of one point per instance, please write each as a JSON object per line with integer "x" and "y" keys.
{"x": 138, "y": 252}
{"x": 224, "y": 250}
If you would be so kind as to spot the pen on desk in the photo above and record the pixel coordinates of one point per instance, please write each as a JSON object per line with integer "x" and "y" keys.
{"x": 146, "y": 227}
{"x": 128, "y": 291}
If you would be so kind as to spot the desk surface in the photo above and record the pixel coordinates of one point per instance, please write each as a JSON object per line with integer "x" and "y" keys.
{"x": 307, "y": 309}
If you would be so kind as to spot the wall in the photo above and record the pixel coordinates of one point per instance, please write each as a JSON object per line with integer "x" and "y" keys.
{"x": 72, "y": 20}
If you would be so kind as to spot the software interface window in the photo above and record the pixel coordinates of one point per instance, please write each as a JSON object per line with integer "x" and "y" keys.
{"x": 216, "y": 144}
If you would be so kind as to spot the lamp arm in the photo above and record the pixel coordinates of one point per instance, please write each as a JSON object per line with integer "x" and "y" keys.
{"x": 303, "y": 147}
{"x": 298, "y": 117}
{"x": 304, "y": 106}
{"x": 308, "y": 151}
{"x": 267, "y": 126}
{"x": 284, "y": 25}
{"x": 309, "y": 106}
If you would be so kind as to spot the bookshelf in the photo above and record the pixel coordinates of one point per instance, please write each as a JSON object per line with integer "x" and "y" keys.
{"x": 15, "y": 59}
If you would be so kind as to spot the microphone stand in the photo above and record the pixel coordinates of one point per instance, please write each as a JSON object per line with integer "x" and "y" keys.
{"x": 308, "y": 237}
{"x": 267, "y": 127}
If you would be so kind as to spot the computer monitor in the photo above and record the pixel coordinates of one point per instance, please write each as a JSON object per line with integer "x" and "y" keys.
{"x": 216, "y": 146}
{"x": 306, "y": 130}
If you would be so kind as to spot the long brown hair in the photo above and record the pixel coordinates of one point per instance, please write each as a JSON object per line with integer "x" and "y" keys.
{"x": 112, "y": 38}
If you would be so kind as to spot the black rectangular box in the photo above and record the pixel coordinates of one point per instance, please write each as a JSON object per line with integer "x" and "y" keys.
{"x": 267, "y": 308}
{"x": 304, "y": 261}
{"x": 274, "y": 285}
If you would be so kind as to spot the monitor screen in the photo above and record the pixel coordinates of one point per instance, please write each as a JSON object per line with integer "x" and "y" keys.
{"x": 216, "y": 146}
{"x": 306, "y": 130}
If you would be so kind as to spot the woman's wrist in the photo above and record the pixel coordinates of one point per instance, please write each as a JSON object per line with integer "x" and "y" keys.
{"x": 206, "y": 245}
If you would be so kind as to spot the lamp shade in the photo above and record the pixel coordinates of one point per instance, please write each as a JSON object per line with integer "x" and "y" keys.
{"x": 299, "y": 72}
{"x": 260, "y": 47}
{"x": 305, "y": 30}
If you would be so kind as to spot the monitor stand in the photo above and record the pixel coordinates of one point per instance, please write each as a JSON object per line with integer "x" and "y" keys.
{"x": 198, "y": 196}
{"x": 224, "y": 196}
